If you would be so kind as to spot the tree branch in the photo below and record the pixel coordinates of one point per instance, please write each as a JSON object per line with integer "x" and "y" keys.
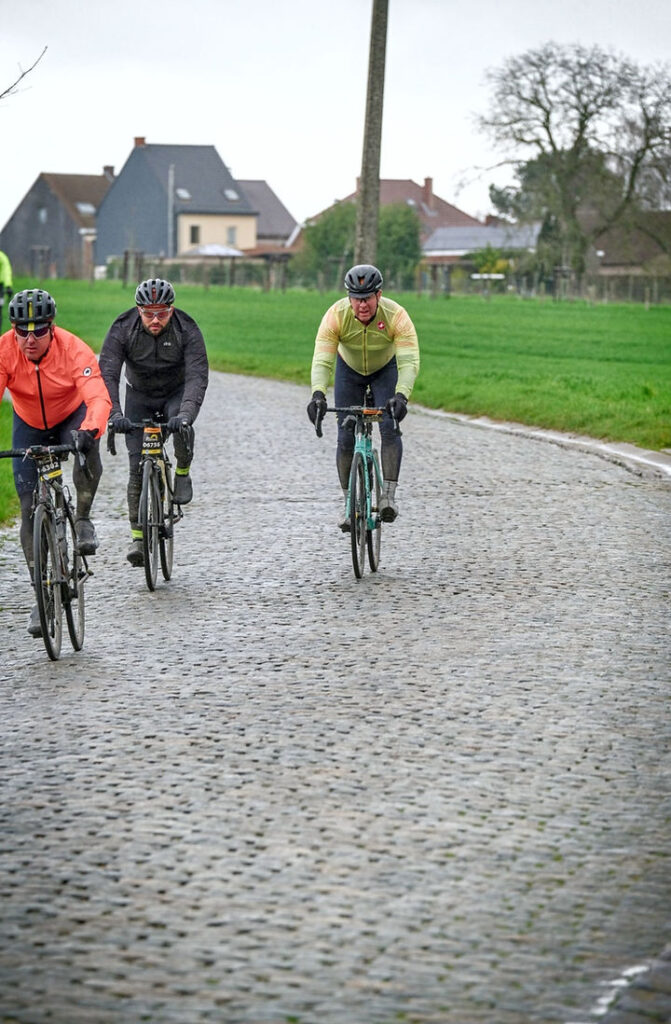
{"x": 11, "y": 89}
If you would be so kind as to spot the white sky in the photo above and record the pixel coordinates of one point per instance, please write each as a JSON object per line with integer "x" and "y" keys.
{"x": 279, "y": 86}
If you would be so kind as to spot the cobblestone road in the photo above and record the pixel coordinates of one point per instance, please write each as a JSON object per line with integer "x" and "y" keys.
{"x": 269, "y": 793}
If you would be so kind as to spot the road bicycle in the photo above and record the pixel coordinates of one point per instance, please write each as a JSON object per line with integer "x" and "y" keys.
{"x": 365, "y": 485}
{"x": 157, "y": 512}
{"x": 60, "y": 570}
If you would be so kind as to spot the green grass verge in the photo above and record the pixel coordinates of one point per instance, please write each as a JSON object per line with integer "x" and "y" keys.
{"x": 9, "y": 503}
{"x": 600, "y": 370}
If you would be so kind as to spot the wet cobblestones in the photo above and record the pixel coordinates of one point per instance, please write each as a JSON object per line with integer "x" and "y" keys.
{"x": 268, "y": 793}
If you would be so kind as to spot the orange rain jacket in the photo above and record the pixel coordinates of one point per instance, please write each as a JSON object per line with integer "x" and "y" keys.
{"x": 46, "y": 393}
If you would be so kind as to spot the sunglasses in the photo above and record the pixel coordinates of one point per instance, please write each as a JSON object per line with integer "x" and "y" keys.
{"x": 39, "y": 332}
{"x": 151, "y": 313}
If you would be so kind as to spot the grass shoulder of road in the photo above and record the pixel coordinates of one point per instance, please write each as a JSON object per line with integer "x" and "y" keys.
{"x": 598, "y": 370}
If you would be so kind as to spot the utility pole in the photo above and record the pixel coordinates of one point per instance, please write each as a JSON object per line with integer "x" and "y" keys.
{"x": 368, "y": 209}
{"x": 171, "y": 211}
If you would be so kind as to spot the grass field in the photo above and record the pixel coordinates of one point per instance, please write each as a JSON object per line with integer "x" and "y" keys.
{"x": 600, "y": 370}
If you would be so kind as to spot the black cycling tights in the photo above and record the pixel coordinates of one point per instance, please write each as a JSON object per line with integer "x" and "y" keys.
{"x": 349, "y": 389}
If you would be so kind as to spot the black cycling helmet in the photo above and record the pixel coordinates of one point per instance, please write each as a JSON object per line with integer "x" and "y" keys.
{"x": 363, "y": 280}
{"x": 154, "y": 292}
{"x": 32, "y": 306}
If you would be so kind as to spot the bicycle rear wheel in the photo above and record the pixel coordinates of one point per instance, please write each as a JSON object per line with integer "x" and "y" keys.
{"x": 166, "y": 537}
{"x": 357, "y": 503}
{"x": 47, "y": 581}
{"x": 150, "y": 517}
{"x": 74, "y": 594}
{"x": 374, "y": 536}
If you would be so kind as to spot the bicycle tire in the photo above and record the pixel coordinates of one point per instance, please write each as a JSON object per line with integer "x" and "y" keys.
{"x": 374, "y": 535}
{"x": 47, "y": 581}
{"x": 149, "y": 518}
{"x": 358, "y": 514}
{"x": 166, "y": 538}
{"x": 74, "y": 591}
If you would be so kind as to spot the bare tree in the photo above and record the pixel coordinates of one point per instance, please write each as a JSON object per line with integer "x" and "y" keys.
{"x": 11, "y": 89}
{"x": 595, "y": 129}
{"x": 365, "y": 246}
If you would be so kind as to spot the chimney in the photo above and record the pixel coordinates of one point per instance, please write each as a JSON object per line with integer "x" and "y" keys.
{"x": 427, "y": 193}
{"x": 140, "y": 141}
{"x": 108, "y": 171}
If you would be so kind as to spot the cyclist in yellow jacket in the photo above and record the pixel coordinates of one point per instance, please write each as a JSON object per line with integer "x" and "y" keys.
{"x": 6, "y": 283}
{"x": 371, "y": 341}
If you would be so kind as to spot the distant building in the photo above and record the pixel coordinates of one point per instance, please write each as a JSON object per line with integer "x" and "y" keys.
{"x": 173, "y": 201}
{"x": 452, "y": 244}
{"x": 432, "y": 211}
{"x": 275, "y": 225}
{"x": 52, "y": 231}
{"x": 640, "y": 247}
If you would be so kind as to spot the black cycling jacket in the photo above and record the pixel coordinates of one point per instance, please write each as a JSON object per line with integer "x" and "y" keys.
{"x": 156, "y": 365}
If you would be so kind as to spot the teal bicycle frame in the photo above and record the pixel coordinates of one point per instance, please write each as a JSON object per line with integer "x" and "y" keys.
{"x": 365, "y": 485}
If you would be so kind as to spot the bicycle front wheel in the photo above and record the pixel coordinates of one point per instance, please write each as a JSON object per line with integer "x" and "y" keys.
{"x": 47, "y": 581}
{"x": 150, "y": 517}
{"x": 166, "y": 532}
{"x": 74, "y": 592}
{"x": 374, "y": 536}
{"x": 358, "y": 514}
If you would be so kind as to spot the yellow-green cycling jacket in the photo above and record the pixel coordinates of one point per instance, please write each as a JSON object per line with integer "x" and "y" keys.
{"x": 366, "y": 349}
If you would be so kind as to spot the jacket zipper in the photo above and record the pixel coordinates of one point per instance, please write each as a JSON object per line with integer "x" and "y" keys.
{"x": 39, "y": 389}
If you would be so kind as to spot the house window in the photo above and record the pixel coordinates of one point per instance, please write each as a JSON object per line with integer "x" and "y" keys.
{"x": 231, "y": 236}
{"x": 42, "y": 214}
{"x": 194, "y": 234}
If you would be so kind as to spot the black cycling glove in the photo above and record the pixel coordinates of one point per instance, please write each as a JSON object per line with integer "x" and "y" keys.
{"x": 317, "y": 410}
{"x": 176, "y": 424}
{"x": 84, "y": 440}
{"x": 120, "y": 423}
{"x": 397, "y": 406}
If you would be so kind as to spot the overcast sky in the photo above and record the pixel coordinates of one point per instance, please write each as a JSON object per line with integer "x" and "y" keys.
{"x": 279, "y": 88}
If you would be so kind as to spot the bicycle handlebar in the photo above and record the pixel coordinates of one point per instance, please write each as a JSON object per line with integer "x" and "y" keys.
{"x": 37, "y": 451}
{"x": 149, "y": 422}
{"x": 357, "y": 412}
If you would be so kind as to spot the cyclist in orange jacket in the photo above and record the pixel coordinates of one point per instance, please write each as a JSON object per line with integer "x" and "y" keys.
{"x": 59, "y": 397}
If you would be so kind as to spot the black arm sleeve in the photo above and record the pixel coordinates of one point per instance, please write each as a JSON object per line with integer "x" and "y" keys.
{"x": 196, "y": 372}
{"x": 111, "y": 361}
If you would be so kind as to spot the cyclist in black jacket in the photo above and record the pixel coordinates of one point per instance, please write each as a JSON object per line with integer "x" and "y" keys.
{"x": 166, "y": 371}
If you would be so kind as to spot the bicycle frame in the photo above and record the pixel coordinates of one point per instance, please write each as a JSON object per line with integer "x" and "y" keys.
{"x": 157, "y": 516}
{"x": 153, "y": 448}
{"x": 363, "y": 418}
{"x": 67, "y": 571}
{"x": 365, "y": 485}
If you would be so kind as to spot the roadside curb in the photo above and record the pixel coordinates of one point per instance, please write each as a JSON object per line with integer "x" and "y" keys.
{"x": 627, "y": 455}
{"x": 646, "y": 998}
